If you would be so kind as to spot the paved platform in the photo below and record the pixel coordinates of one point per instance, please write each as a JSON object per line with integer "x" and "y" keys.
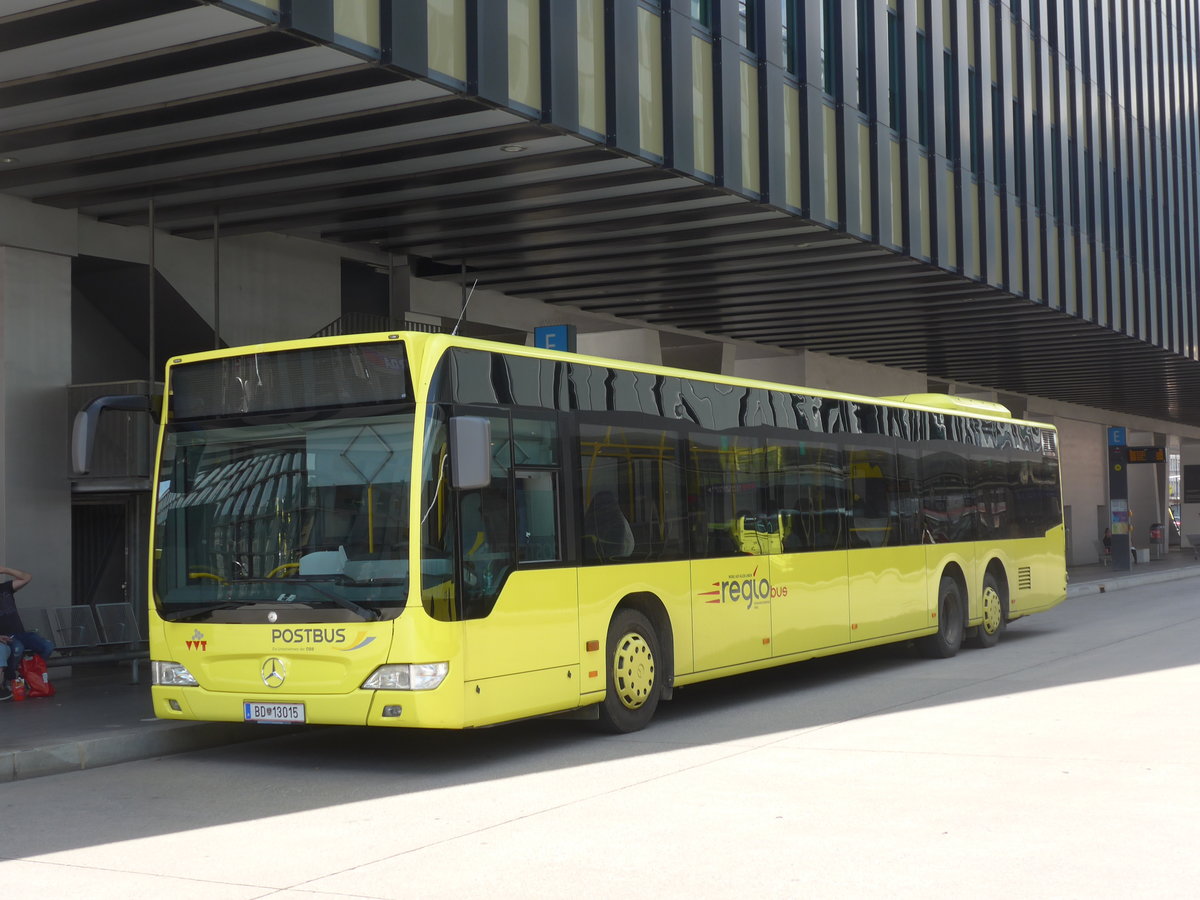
{"x": 98, "y": 718}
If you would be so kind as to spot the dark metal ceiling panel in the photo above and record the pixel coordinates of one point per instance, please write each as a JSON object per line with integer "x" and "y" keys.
{"x": 218, "y": 115}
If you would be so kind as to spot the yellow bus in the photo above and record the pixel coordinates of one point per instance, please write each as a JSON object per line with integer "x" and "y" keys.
{"x": 428, "y": 531}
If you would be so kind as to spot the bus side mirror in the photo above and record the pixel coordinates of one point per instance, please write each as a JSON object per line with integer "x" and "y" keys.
{"x": 87, "y": 420}
{"x": 470, "y": 452}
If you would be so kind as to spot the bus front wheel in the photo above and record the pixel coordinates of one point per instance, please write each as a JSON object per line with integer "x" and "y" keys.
{"x": 989, "y": 630}
{"x": 634, "y": 685}
{"x": 949, "y": 636}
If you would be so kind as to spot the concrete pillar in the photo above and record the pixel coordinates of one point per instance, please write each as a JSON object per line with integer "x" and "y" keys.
{"x": 787, "y": 369}
{"x": 639, "y": 345}
{"x": 35, "y": 369}
{"x": 1083, "y": 467}
{"x": 1146, "y": 504}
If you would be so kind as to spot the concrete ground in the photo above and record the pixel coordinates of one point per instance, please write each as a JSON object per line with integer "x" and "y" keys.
{"x": 98, "y": 717}
{"x": 1060, "y": 764}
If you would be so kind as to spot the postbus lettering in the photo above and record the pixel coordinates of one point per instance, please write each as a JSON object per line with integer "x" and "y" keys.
{"x": 307, "y": 635}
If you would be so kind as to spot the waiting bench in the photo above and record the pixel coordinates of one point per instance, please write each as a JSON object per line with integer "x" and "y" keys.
{"x": 100, "y": 633}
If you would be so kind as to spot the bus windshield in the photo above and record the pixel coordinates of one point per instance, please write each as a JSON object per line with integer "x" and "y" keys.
{"x": 307, "y": 515}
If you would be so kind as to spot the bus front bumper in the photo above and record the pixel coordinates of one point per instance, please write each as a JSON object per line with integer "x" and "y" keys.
{"x": 397, "y": 709}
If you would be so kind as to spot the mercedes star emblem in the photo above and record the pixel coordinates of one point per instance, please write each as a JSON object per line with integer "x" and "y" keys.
{"x": 273, "y": 672}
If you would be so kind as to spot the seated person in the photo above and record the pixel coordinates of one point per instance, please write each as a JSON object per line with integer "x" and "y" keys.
{"x": 14, "y": 639}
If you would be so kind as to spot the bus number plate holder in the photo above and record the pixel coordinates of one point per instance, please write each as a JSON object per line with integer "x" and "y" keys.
{"x": 274, "y": 713}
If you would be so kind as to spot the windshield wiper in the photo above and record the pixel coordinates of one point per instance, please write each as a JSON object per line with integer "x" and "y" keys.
{"x": 196, "y": 611}
{"x": 362, "y": 612}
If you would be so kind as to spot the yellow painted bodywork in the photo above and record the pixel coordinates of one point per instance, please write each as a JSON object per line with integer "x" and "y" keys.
{"x": 542, "y": 648}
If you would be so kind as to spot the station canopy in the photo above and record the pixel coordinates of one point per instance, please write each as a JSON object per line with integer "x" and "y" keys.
{"x": 217, "y": 116}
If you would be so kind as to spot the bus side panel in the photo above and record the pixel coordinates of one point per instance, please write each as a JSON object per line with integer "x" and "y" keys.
{"x": 731, "y": 610}
{"x": 811, "y": 609}
{"x": 1037, "y": 574}
{"x": 601, "y": 588}
{"x": 533, "y": 626}
{"x": 522, "y": 695}
{"x": 888, "y": 592}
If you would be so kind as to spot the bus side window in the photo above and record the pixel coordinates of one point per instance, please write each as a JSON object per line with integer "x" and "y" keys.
{"x": 631, "y": 491}
{"x": 537, "y": 516}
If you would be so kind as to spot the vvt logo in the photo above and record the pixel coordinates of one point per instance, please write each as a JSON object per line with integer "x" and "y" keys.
{"x": 749, "y": 590}
{"x": 197, "y": 642}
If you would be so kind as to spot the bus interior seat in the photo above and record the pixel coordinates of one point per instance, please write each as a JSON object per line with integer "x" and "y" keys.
{"x": 606, "y": 531}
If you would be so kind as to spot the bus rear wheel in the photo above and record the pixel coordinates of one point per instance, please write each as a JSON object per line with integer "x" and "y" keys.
{"x": 634, "y": 682}
{"x": 949, "y": 636}
{"x": 989, "y": 630}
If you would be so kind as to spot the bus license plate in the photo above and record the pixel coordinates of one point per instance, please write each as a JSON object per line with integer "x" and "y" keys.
{"x": 278, "y": 713}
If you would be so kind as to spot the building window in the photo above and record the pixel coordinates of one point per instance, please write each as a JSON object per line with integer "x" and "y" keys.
{"x": 830, "y": 55}
{"x": 1018, "y": 130}
{"x": 895, "y": 74}
{"x": 998, "y": 172}
{"x": 1039, "y": 164}
{"x": 790, "y": 32}
{"x": 949, "y": 72}
{"x": 747, "y": 25}
{"x": 1056, "y": 172}
{"x": 975, "y": 126}
{"x": 866, "y": 60}
{"x": 924, "y": 92}
{"x": 702, "y": 12}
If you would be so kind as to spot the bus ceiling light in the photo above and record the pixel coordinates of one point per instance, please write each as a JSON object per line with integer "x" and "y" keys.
{"x": 171, "y": 674}
{"x": 407, "y": 677}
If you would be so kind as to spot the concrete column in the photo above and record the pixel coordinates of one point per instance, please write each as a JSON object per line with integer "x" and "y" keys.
{"x": 787, "y": 369}
{"x": 35, "y": 368}
{"x": 1083, "y": 467}
{"x": 1146, "y": 503}
{"x": 639, "y": 345}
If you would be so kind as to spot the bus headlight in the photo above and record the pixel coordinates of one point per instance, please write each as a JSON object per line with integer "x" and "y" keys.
{"x": 407, "y": 677}
{"x": 171, "y": 674}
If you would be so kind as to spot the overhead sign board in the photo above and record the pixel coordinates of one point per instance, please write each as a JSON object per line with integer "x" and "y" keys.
{"x": 555, "y": 337}
{"x": 1147, "y": 454}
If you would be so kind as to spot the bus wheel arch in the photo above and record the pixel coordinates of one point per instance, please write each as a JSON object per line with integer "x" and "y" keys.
{"x": 637, "y": 662}
{"x": 995, "y": 606}
{"x": 951, "y": 616}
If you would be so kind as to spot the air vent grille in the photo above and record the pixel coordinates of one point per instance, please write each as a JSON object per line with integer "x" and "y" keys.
{"x": 1049, "y": 443}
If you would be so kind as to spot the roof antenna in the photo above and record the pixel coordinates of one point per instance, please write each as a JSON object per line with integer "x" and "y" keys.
{"x": 462, "y": 267}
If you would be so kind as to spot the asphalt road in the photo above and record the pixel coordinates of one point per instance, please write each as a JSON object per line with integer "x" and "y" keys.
{"x": 1062, "y": 763}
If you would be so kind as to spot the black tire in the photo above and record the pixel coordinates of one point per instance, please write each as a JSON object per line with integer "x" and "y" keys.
{"x": 951, "y": 623}
{"x": 634, "y": 684}
{"x": 995, "y": 614}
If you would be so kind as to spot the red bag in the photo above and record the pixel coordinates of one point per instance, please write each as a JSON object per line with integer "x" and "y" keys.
{"x": 17, "y": 686}
{"x": 37, "y": 682}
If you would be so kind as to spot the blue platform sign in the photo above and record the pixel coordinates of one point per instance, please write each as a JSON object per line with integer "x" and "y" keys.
{"x": 1116, "y": 437}
{"x": 555, "y": 337}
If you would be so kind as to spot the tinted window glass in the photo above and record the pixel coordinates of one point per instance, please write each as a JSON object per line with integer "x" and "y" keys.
{"x": 486, "y": 531}
{"x": 993, "y": 499}
{"x": 947, "y": 507}
{"x": 535, "y": 452}
{"x": 631, "y": 482}
{"x": 725, "y": 487}
{"x": 807, "y": 485}
{"x": 908, "y": 491}
{"x": 874, "y": 502}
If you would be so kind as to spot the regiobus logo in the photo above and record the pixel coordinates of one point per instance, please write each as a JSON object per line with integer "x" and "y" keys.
{"x": 748, "y": 589}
